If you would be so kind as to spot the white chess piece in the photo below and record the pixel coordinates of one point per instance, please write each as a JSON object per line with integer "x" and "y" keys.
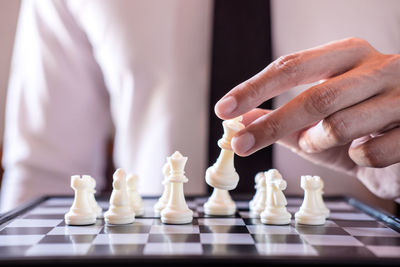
{"x": 310, "y": 212}
{"x": 177, "y": 211}
{"x": 275, "y": 211}
{"x": 81, "y": 212}
{"x": 135, "y": 199}
{"x": 320, "y": 200}
{"x": 259, "y": 204}
{"x": 92, "y": 200}
{"x": 257, "y": 186}
{"x": 163, "y": 200}
{"x": 220, "y": 203}
{"x": 222, "y": 173}
{"x": 119, "y": 212}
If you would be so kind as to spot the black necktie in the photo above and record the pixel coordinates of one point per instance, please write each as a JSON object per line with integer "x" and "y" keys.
{"x": 241, "y": 48}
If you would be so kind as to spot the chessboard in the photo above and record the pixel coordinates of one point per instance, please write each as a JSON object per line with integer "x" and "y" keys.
{"x": 354, "y": 233}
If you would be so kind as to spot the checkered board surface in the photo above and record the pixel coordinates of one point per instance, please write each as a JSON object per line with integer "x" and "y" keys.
{"x": 40, "y": 232}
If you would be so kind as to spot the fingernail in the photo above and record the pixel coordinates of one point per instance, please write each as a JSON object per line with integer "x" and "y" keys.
{"x": 226, "y": 105}
{"x": 304, "y": 145}
{"x": 243, "y": 143}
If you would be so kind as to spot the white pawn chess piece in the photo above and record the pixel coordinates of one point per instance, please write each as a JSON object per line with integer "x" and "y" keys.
{"x": 320, "y": 200}
{"x": 310, "y": 213}
{"x": 220, "y": 203}
{"x": 257, "y": 186}
{"x": 163, "y": 200}
{"x": 135, "y": 200}
{"x": 177, "y": 211}
{"x": 275, "y": 211}
{"x": 81, "y": 212}
{"x": 92, "y": 200}
{"x": 119, "y": 212}
{"x": 259, "y": 204}
{"x": 222, "y": 173}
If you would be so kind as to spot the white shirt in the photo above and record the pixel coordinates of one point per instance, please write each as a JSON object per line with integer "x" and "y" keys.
{"x": 143, "y": 66}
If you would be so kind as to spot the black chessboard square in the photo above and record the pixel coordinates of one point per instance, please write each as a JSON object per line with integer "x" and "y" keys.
{"x": 223, "y": 229}
{"x": 126, "y": 229}
{"x": 116, "y": 249}
{"x": 252, "y": 221}
{"x": 343, "y": 251}
{"x": 379, "y": 240}
{"x": 203, "y": 215}
{"x": 227, "y": 249}
{"x": 62, "y": 239}
{"x": 174, "y": 238}
{"x": 320, "y": 230}
{"x": 278, "y": 239}
{"x": 25, "y": 230}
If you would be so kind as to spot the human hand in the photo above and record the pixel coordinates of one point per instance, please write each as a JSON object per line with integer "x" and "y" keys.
{"x": 348, "y": 122}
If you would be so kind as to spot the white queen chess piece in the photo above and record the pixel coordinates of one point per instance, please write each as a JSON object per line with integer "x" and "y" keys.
{"x": 119, "y": 212}
{"x": 81, "y": 212}
{"x": 177, "y": 211}
{"x": 135, "y": 200}
{"x": 163, "y": 200}
{"x": 92, "y": 200}
{"x": 220, "y": 203}
{"x": 310, "y": 212}
{"x": 275, "y": 211}
{"x": 222, "y": 173}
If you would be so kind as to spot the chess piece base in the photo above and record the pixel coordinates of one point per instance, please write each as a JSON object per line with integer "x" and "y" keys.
{"x": 219, "y": 179}
{"x": 113, "y": 217}
{"x": 275, "y": 218}
{"x": 170, "y": 216}
{"x": 212, "y": 208}
{"x": 72, "y": 218}
{"x": 310, "y": 219}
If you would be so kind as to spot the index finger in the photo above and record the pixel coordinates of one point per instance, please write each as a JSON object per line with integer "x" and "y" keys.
{"x": 289, "y": 71}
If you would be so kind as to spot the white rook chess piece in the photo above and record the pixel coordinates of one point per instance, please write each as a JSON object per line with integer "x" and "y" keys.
{"x": 81, "y": 212}
{"x": 135, "y": 200}
{"x": 92, "y": 200}
{"x": 259, "y": 203}
{"x": 275, "y": 211}
{"x": 220, "y": 203}
{"x": 177, "y": 211}
{"x": 257, "y": 186}
{"x": 163, "y": 200}
{"x": 119, "y": 212}
{"x": 222, "y": 174}
{"x": 320, "y": 200}
{"x": 310, "y": 212}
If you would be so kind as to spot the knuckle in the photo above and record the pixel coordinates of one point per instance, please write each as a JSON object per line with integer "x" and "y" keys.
{"x": 289, "y": 66}
{"x": 321, "y": 100}
{"x": 371, "y": 155}
{"x": 272, "y": 129}
{"x": 337, "y": 128}
{"x": 391, "y": 65}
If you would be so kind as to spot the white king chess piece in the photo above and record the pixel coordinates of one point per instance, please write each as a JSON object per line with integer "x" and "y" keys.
{"x": 310, "y": 212}
{"x": 163, "y": 200}
{"x": 135, "y": 199}
{"x": 222, "y": 173}
{"x": 220, "y": 203}
{"x": 275, "y": 211}
{"x": 119, "y": 212}
{"x": 81, "y": 212}
{"x": 177, "y": 211}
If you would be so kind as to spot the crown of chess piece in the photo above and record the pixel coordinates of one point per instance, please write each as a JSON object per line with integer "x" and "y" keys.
{"x": 257, "y": 186}
{"x": 120, "y": 211}
{"x": 220, "y": 203}
{"x": 135, "y": 199}
{"x": 222, "y": 173}
{"x": 81, "y": 212}
{"x": 92, "y": 200}
{"x": 275, "y": 211}
{"x": 310, "y": 212}
{"x": 177, "y": 211}
{"x": 163, "y": 200}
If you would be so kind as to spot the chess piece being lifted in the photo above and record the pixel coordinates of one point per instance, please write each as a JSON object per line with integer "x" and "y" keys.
{"x": 135, "y": 200}
{"x": 275, "y": 208}
{"x": 222, "y": 174}
{"x": 81, "y": 212}
{"x": 220, "y": 203}
{"x": 119, "y": 212}
{"x": 92, "y": 200}
{"x": 310, "y": 212}
{"x": 177, "y": 211}
{"x": 163, "y": 200}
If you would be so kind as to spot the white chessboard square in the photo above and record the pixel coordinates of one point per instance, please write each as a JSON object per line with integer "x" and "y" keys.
{"x": 143, "y": 221}
{"x": 104, "y": 239}
{"x": 286, "y": 249}
{"x": 385, "y": 251}
{"x": 19, "y": 240}
{"x": 34, "y": 223}
{"x": 49, "y": 210}
{"x": 173, "y": 248}
{"x": 371, "y": 231}
{"x": 58, "y": 249}
{"x": 272, "y": 229}
{"x": 76, "y": 230}
{"x": 226, "y": 238}
{"x": 221, "y": 221}
{"x": 350, "y": 216}
{"x": 331, "y": 240}
{"x": 174, "y": 229}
